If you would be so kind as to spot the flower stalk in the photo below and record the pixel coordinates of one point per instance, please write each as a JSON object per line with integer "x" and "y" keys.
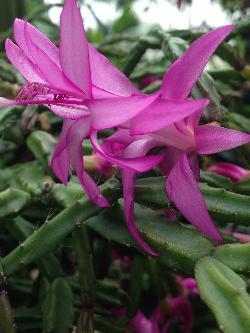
{"x": 86, "y": 278}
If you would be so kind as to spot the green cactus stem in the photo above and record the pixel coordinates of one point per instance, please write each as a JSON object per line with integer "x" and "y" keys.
{"x": 225, "y": 294}
{"x": 47, "y": 237}
{"x": 86, "y": 278}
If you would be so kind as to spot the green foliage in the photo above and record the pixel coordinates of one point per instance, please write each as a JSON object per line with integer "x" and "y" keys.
{"x": 225, "y": 293}
{"x": 70, "y": 265}
{"x": 178, "y": 247}
{"x": 236, "y": 256}
{"x": 12, "y": 202}
{"x": 58, "y": 312}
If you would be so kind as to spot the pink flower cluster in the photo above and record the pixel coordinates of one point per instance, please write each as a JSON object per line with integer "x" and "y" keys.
{"x": 90, "y": 94}
{"x": 167, "y": 312}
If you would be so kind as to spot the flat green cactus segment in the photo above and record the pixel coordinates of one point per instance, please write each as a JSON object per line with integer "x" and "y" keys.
{"x": 224, "y": 206}
{"x": 12, "y": 202}
{"x": 21, "y": 229}
{"x": 215, "y": 180}
{"x": 225, "y": 294}
{"x": 179, "y": 247}
{"x": 41, "y": 144}
{"x": 51, "y": 233}
{"x": 66, "y": 196}
{"x": 236, "y": 256}
{"x": 58, "y": 313}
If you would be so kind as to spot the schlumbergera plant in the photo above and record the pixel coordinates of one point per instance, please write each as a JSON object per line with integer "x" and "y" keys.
{"x": 124, "y": 195}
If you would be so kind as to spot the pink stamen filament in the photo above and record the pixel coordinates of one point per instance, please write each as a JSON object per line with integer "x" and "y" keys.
{"x": 50, "y": 102}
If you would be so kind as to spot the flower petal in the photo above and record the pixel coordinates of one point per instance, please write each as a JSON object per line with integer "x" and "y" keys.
{"x": 121, "y": 136}
{"x": 171, "y": 157}
{"x": 29, "y": 70}
{"x": 183, "y": 190}
{"x": 140, "y": 323}
{"x": 182, "y": 309}
{"x": 230, "y": 170}
{"x": 49, "y": 69}
{"x": 182, "y": 75}
{"x": 164, "y": 112}
{"x": 37, "y": 37}
{"x": 214, "y": 139}
{"x": 76, "y": 134}
{"x": 4, "y": 102}
{"x": 111, "y": 112}
{"x": 100, "y": 93}
{"x": 69, "y": 111}
{"x": 107, "y": 77}
{"x": 60, "y": 162}
{"x": 158, "y": 317}
{"x": 194, "y": 165}
{"x": 128, "y": 181}
{"x": 140, "y": 164}
{"x": 74, "y": 51}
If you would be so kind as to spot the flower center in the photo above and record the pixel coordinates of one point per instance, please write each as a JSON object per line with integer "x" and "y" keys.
{"x": 177, "y": 135}
{"x": 40, "y": 91}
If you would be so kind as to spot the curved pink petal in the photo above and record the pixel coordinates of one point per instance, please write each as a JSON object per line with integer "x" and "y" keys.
{"x": 107, "y": 77}
{"x": 134, "y": 150}
{"x": 62, "y": 111}
{"x": 60, "y": 162}
{"x": 183, "y": 190}
{"x": 139, "y": 147}
{"x": 191, "y": 285}
{"x": 76, "y": 134}
{"x": 139, "y": 164}
{"x": 74, "y": 51}
{"x": 140, "y": 324}
{"x": 69, "y": 111}
{"x": 183, "y": 74}
{"x": 193, "y": 120}
{"x": 194, "y": 165}
{"x": 214, "y": 139}
{"x": 4, "y": 102}
{"x": 37, "y": 37}
{"x": 164, "y": 112}
{"x": 100, "y": 93}
{"x": 111, "y": 112}
{"x": 171, "y": 157}
{"x": 182, "y": 309}
{"x": 230, "y": 170}
{"x": 158, "y": 317}
{"x": 121, "y": 136}
{"x": 128, "y": 181}
{"x": 49, "y": 69}
{"x": 28, "y": 69}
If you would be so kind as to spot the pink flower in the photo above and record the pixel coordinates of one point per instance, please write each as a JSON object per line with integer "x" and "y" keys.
{"x": 164, "y": 315}
{"x": 126, "y": 151}
{"x": 230, "y": 170}
{"x": 187, "y": 286}
{"x": 242, "y": 238}
{"x": 78, "y": 84}
{"x": 174, "y": 308}
{"x": 96, "y": 163}
{"x": 183, "y": 138}
{"x": 141, "y": 324}
{"x": 126, "y": 261}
